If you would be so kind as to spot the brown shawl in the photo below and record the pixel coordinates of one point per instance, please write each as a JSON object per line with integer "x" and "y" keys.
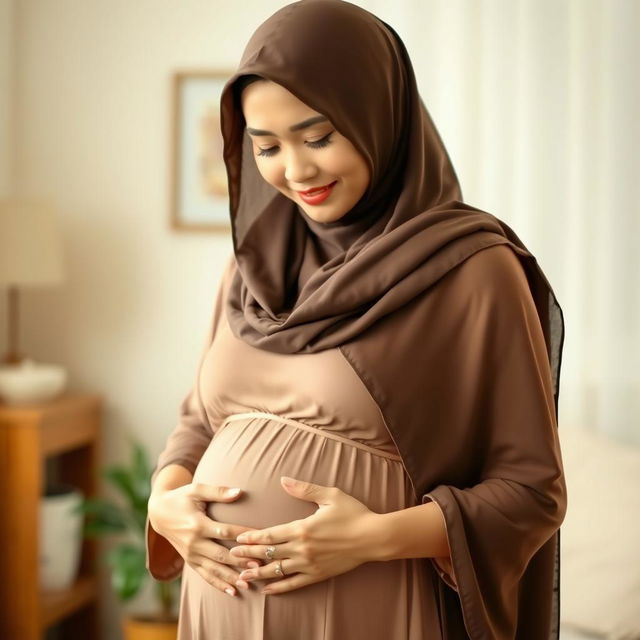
{"x": 458, "y": 339}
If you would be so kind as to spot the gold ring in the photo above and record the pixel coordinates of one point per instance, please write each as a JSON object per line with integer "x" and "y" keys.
{"x": 269, "y": 553}
{"x": 279, "y": 569}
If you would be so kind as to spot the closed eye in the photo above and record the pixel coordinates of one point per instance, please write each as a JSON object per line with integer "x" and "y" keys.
{"x": 316, "y": 144}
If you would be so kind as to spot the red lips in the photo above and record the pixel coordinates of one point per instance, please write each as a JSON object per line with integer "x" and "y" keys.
{"x": 309, "y": 191}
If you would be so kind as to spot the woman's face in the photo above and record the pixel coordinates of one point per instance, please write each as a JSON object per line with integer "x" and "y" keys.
{"x": 311, "y": 155}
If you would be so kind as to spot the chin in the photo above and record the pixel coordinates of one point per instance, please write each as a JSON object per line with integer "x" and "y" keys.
{"x": 319, "y": 216}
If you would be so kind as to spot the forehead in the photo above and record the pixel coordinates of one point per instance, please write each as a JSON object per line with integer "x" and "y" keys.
{"x": 267, "y": 99}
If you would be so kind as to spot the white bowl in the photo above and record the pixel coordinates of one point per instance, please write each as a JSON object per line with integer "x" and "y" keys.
{"x": 29, "y": 382}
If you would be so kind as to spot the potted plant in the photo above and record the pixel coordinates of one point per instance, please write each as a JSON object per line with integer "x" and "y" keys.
{"x": 125, "y": 519}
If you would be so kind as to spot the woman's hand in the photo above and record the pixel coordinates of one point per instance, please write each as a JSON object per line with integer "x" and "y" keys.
{"x": 334, "y": 540}
{"x": 179, "y": 515}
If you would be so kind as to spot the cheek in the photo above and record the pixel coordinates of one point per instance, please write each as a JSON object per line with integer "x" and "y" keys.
{"x": 346, "y": 164}
{"x": 362, "y": 175}
{"x": 356, "y": 176}
{"x": 338, "y": 163}
{"x": 270, "y": 171}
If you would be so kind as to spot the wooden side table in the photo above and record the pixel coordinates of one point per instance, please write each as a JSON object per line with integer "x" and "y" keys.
{"x": 67, "y": 429}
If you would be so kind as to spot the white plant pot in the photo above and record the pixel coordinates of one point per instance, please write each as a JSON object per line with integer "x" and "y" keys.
{"x": 60, "y": 537}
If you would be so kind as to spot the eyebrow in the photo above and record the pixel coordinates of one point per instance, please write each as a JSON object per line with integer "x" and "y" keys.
{"x": 296, "y": 127}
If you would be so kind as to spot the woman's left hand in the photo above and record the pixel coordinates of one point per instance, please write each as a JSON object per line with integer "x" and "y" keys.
{"x": 331, "y": 541}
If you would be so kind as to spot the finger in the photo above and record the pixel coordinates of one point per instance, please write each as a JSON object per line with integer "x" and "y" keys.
{"x": 219, "y": 553}
{"x": 211, "y": 528}
{"x": 218, "y": 575}
{"x": 260, "y": 551}
{"x": 221, "y": 570}
{"x": 271, "y": 535}
{"x": 268, "y": 572}
{"x": 215, "y": 581}
{"x": 221, "y": 531}
{"x": 289, "y": 584}
{"x": 212, "y": 493}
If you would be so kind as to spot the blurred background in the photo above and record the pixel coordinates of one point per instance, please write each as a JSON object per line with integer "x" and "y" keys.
{"x": 538, "y": 103}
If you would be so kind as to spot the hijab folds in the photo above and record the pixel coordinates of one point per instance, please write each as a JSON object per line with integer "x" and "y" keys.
{"x": 438, "y": 306}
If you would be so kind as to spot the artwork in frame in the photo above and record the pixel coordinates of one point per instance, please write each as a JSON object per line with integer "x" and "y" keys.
{"x": 199, "y": 191}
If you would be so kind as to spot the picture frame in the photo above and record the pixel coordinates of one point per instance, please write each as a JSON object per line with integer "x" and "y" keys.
{"x": 199, "y": 198}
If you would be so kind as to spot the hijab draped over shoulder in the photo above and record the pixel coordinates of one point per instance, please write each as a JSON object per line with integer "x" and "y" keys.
{"x": 438, "y": 306}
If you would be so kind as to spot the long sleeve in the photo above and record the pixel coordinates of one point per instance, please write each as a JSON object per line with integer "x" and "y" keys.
{"x": 496, "y": 526}
{"x": 185, "y": 446}
{"x": 443, "y": 565}
{"x": 472, "y": 408}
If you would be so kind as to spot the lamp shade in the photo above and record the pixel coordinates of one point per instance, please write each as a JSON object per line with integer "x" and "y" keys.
{"x": 31, "y": 252}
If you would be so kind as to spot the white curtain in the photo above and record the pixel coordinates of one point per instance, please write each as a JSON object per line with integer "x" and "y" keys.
{"x": 538, "y": 102}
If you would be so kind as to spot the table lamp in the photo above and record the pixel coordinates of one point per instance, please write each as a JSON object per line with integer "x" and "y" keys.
{"x": 30, "y": 256}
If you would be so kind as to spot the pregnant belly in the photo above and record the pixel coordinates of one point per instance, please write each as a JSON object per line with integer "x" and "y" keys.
{"x": 252, "y": 454}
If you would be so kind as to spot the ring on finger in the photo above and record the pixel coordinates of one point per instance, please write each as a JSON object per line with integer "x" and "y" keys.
{"x": 269, "y": 552}
{"x": 278, "y": 569}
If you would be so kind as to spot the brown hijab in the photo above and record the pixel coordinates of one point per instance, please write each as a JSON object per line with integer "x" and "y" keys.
{"x": 457, "y": 338}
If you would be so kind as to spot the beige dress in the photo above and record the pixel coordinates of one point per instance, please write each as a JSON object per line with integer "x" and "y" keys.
{"x": 308, "y": 416}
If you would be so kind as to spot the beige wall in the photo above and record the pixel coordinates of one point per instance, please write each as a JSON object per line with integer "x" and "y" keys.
{"x": 92, "y": 135}
{"x": 7, "y": 93}
{"x": 7, "y": 76}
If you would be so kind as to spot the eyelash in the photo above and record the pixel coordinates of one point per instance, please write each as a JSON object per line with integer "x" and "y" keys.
{"x": 317, "y": 144}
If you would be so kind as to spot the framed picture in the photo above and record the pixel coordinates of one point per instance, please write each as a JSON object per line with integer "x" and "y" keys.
{"x": 199, "y": 193}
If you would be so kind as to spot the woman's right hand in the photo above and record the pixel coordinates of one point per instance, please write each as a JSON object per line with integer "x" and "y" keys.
{"x": 179, "y": 516}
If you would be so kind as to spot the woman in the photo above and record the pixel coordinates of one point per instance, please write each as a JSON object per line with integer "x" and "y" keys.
{"x": 391, "y": 349}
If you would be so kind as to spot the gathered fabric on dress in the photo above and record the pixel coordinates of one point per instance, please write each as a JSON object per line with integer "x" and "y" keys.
{"x": 310, "y": 417}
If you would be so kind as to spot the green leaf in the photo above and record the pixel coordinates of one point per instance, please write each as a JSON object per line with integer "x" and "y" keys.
{"x": 134, "y": 483}
{"x": 120, "y": 478}
{"x": 141, "y": 474}
{"x": 128, "y": 569}
{"x": 100, "y": 529}
{"x": 103, "y": 517}
{"x": 127, "y": 514}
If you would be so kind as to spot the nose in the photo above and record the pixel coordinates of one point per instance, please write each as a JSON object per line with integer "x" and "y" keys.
{"x": 299, "y": 168}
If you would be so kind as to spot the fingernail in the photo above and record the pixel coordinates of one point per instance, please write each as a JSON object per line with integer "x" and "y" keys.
{"x": 247, "y": 575}
{"x": 230, "y": 591}
{"x": 253, "y": 564}
{"x": 233, "y": 492}
{"x": 242, "y": 584}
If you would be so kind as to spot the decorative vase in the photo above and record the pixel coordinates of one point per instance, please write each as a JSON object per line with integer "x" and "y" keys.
{"x": 60, "y": 536}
